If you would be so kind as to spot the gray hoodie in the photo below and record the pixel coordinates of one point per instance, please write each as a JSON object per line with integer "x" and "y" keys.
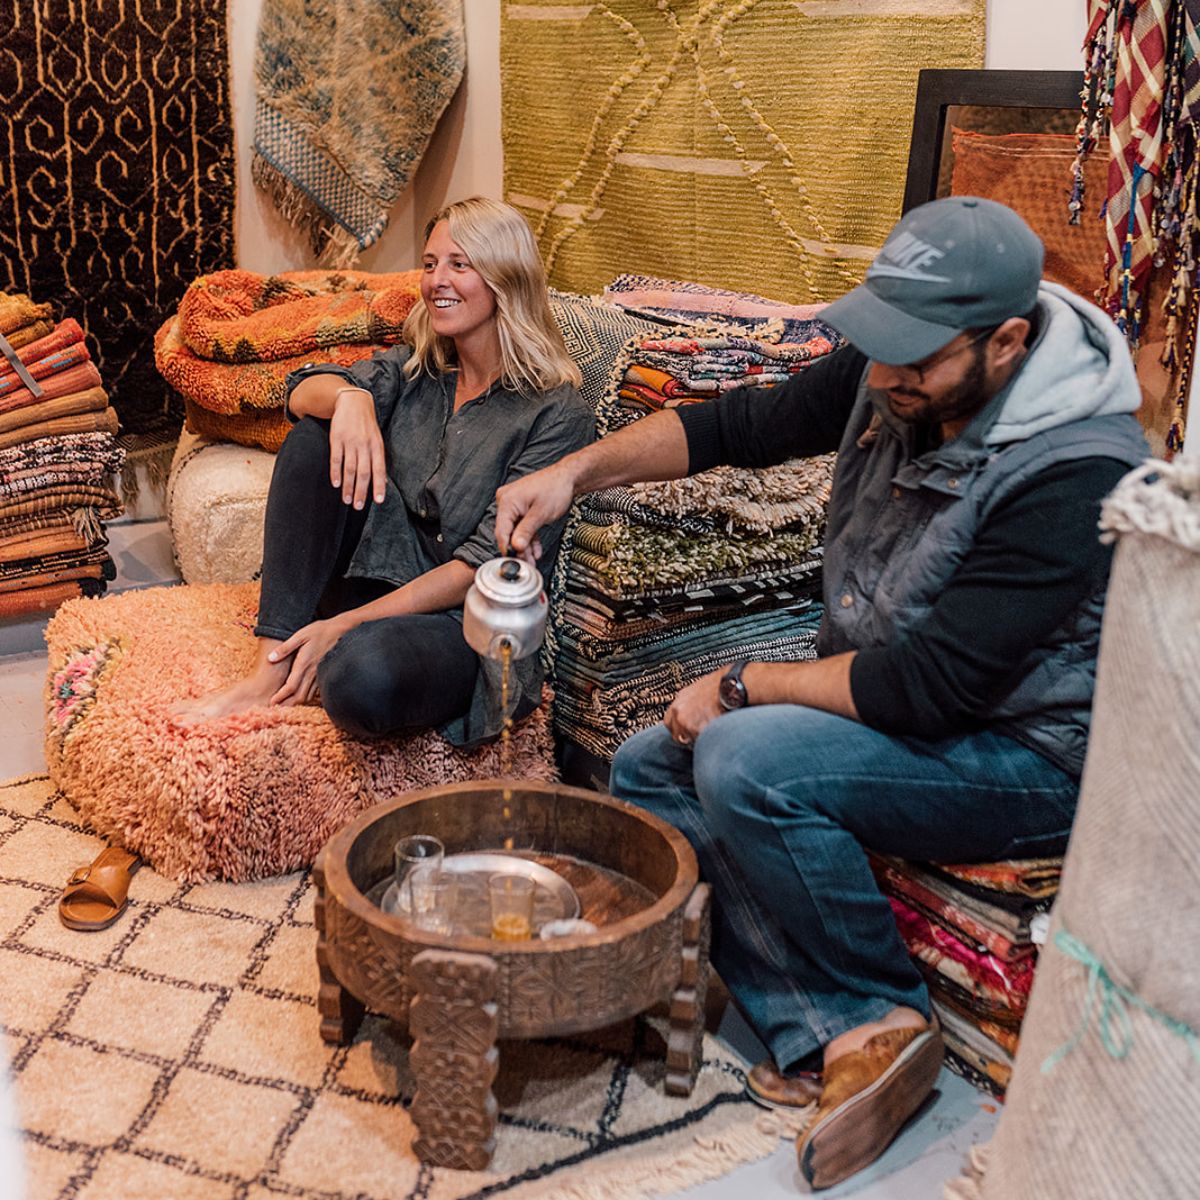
{"x": 900, "y": 523}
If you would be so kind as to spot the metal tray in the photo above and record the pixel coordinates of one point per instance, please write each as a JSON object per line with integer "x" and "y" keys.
{"x": 554, "y": 899}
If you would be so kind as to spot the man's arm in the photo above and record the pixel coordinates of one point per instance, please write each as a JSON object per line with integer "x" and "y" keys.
{"x": 746, "y": 427}
{"x": 654, "y": 448}
{"x": 1035, "y": 559}
{"x": 823, "y": 683}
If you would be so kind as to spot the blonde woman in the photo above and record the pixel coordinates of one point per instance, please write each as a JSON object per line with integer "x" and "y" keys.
{"x": 382, "y": 501}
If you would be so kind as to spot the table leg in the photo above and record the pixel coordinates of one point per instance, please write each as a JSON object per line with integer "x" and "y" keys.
{"x": 687, "y": 1002}
{"x": 341, "y": 1012}
{"x": 454, "y": 1020}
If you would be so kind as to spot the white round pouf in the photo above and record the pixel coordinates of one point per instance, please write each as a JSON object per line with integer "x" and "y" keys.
{"x": 216, "y": 497}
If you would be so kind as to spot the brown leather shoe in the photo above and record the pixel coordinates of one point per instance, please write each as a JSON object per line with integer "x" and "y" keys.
{"x": 868, "y": 1096}
{"x": 772, "y": 1089}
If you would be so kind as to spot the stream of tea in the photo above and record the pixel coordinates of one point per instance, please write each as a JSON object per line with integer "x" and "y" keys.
{"x": 506, "y": 653}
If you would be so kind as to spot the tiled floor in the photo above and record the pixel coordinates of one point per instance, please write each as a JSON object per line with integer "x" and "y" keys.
{"x": 926, "y": 1154}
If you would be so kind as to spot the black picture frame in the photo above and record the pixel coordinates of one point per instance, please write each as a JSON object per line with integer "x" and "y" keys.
{"x": 938, "y": 91}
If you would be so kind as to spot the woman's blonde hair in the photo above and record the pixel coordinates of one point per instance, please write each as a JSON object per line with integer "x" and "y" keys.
{"x": 500, "y": 245}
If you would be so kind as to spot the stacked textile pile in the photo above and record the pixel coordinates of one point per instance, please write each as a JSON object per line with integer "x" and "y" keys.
{"x": 662, "y": 583}
{"x": 973, "y": 932}
{"x": 58, "y": 453}
{"x": 237, "y": 335}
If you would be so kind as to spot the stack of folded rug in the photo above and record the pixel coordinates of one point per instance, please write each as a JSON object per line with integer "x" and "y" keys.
{"x": 237, "y": 335}
{"x": 58, "y": 454}
{"x": 973, "y": 932}
{"x": 662, "y": 583}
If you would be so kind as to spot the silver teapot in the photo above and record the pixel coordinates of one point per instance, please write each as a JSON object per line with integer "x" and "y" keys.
{"x": 505, "y": 609}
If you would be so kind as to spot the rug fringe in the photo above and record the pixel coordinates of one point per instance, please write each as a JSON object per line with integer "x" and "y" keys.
{"x": 86, "y": 522}
{"x": 336, "y": 248}
{"x": 969, "y": 1185}
{"x": 709, "y": 1157}
{"x": 155, "y": 461}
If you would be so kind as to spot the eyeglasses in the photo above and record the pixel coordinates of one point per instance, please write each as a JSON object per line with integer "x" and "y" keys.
{"x": 926, "y": 365}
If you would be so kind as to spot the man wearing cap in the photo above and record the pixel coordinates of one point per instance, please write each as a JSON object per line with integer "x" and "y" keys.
{"x": 979, "y": 416}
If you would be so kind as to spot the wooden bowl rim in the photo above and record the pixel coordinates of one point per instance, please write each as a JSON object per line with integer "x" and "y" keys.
{"x": 334, "y": 856}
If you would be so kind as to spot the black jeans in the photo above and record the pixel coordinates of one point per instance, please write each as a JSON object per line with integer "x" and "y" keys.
{"x": 385, "y": 676}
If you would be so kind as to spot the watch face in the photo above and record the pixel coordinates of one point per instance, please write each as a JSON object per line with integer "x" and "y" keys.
{"x": 732, "y": 693}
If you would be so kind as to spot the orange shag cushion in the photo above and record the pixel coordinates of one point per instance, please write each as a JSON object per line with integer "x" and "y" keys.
{"x": 237, "y": 798}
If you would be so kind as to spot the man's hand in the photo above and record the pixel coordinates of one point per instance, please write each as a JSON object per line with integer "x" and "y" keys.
{"x": 529, "y": 503}
{"x": 357, "y": 462}
{"x": 306, "y": 647}
{"x": 694, "y": 707}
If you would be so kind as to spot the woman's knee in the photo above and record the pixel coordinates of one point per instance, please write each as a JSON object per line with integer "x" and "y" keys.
{"x": 306, "y": 446}
{"x": 357, "y": 691}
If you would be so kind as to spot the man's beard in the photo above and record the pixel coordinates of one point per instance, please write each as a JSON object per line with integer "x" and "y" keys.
{"x": 965, "y": 399}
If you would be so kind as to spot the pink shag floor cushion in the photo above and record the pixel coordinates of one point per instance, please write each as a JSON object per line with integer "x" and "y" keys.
{"x": 238, "y": 798}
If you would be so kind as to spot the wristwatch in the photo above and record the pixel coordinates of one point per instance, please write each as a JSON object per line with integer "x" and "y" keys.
{"x": 731, "y": 692}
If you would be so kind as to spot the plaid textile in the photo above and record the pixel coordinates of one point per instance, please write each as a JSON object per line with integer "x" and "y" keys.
{"x": 1135, "y": 138}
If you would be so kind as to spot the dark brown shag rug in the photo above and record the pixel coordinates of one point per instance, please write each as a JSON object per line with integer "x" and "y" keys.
{"x": 116, "y": 174}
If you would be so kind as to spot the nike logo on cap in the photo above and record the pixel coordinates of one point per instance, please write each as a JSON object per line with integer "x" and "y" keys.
{"x": 905, "y": 257}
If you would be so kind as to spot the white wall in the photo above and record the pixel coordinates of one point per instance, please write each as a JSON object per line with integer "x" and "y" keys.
{"x": 464, "y": 157}
{"x": 1034, "y": 35}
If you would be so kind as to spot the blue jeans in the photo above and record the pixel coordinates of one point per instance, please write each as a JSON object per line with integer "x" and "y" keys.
{"x": 779, "y": 802}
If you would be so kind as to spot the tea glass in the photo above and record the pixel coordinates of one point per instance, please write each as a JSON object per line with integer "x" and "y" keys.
{"x": 417, "y": 852}
{"x": 511, "y": 898}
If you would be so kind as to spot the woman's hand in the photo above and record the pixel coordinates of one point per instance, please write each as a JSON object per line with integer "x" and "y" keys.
{"x": 307, "y": 647}
{"x": 357, "y": 462}
{"x": 694, "y": 707}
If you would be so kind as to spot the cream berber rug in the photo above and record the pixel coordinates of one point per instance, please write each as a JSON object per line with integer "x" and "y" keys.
{"x": 176, "y": 1055}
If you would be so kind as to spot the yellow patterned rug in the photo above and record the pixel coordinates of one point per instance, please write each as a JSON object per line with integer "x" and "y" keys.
{"x": 753, "y": 144}
{"x": 176, "y": 1055}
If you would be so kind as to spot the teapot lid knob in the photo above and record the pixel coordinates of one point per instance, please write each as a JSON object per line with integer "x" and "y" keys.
{"x": 510, "y": 569}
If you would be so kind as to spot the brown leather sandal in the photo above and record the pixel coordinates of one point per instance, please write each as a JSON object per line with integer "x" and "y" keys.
{"x": 95, "y": 896}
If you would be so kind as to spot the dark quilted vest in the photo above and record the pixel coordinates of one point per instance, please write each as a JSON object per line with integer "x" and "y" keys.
{"x": 899, "y": 526}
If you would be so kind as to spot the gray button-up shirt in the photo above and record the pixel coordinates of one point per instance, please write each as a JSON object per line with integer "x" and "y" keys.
{"x": 443, "y": 471}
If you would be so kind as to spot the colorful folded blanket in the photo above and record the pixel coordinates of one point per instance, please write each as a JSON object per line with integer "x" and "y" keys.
{"x": 52, "y": 534}
{"x": 628, "y": 558}
{"x": 698, "y": 595}
{"x": 697, "y": 301}
{"x": 80, "y": 454}
{"x": 240, "y": 316}
{"x": 1031, "y": 878}
{"x": 36, "y": 575}
{"x": 600, "y": 714}
{"x": 89, "y": 401}
{"x": 43, "y": 599}
{"x": 895, "y": 878}
{"x": 50, "y": 364}
{"x": 64, "y": 334}
{"x": 981, "y": 975}
{"x": 77, "y": 378}
{"x": 95, "y": 556}
{"x": 104, "y": 420}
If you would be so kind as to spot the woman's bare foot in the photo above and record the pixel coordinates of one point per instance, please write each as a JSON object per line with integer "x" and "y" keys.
{"x": 254, "y": 691}
{"x": 857, "y": 1038}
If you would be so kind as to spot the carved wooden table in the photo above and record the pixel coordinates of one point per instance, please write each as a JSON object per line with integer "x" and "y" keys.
{"x": 637, "y": 880}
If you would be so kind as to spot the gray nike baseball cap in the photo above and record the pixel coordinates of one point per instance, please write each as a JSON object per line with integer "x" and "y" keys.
{"x": 949, "y": 265}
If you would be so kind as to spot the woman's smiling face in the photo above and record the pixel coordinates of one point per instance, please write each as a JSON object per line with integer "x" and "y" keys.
{"x": 460, "y": 303}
